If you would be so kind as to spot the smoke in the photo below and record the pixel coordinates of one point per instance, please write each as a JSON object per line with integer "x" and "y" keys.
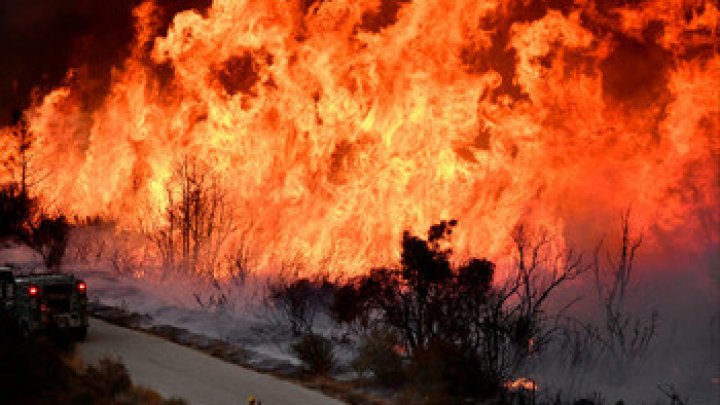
{"x": 682, "y": 353}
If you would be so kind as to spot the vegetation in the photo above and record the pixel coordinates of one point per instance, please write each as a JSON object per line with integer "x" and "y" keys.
{"x": 316, "y": 353}
{"x": 427, "y": 327}
{"x": 625, "y": 336}
{"x": 437, "y": 329}
{"x": 22, "y": 220}
{"x": 42, "y": 373}
{"x": 21, "y": 216}
{"x": 462, "y": 335}
{"x": 197, "y": 220}
{"x": 16, "y": 210}
{"x": 49, "y": 237}
{"x": 378, "y": 355}
{"x": 299, "y": 302}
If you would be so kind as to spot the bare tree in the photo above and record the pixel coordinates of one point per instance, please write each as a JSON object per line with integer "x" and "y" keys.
{"x": 626, "y": 336}
{"x": 30, "y": 176}
{"x": 198, "y": 220}
{"x": 17, "y": 208}
{"x": 517, "y": 322}
{"x": 539, "y": 271}
{"x": 241, "y": 260}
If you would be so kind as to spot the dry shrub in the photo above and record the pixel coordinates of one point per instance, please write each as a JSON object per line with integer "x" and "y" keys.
{"x": 316, "y": 353}
{"x": 378, "y": 354}
{"x": 443, "y": 370}
{"x": 300, "y": 301}
{"x": 110, "y": 383}
{"x": 109, "y": 377}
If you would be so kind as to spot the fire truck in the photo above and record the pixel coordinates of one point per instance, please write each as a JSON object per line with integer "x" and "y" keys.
{"x": 40, "y": 303}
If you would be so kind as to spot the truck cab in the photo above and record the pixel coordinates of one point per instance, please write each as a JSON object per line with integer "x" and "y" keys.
{"x": 45, "y": 302}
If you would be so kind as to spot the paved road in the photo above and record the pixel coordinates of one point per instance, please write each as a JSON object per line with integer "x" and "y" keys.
{"x": 177, "y": 371}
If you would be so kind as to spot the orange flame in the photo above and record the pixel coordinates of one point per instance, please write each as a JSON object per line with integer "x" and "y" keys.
{"x": 521, "y": 383}
{"x": 334, "y": 125}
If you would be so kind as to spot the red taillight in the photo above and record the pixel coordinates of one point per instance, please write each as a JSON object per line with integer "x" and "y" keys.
{"x": 33, "y": 291}
{"x": 82, "y": 287}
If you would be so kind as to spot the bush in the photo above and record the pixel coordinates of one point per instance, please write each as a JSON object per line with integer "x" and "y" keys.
{"x": 16, "y": 210}
{"x": 300, "y": 301}
{"x": 109, "y": 378}
{"x": 49, "y": 238}
{"x": 110, "y": 383}
{"x": 316, "y": 353}
{"x": 463, "y": 335}
{"x": 442, "y": 369}
{"x": 378, "y": 353}
{"x": 347, "y": 306}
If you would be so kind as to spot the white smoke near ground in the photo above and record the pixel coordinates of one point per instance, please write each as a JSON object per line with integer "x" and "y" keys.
{"x": 682, "y": 356}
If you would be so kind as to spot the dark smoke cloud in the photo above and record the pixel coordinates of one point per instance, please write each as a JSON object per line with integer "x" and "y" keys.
{"x": 41, "y": 39}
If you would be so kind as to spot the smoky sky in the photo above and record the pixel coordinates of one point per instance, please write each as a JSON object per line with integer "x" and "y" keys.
{"x": 41, "y": 39}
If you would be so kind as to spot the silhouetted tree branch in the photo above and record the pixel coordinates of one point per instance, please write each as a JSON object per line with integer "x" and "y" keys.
{"x": 624, "y": 335}
{"x": 198, "y": 220}
{"x": 479, "y": 333}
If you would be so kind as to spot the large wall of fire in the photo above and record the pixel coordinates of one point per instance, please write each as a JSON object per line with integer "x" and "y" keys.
{"x": 332, "y": 125}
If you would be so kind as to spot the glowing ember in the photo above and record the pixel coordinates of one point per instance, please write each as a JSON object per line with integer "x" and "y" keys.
{"x": 521, "y": 384}
{"x": 333, "y": 125}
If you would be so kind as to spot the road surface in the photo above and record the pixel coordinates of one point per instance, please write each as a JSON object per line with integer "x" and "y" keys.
{"x": 177, "y": 371}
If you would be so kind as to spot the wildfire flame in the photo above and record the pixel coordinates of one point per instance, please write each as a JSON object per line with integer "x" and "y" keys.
{"x": 521, "y": 383}
{"x": 333, "y": 125}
